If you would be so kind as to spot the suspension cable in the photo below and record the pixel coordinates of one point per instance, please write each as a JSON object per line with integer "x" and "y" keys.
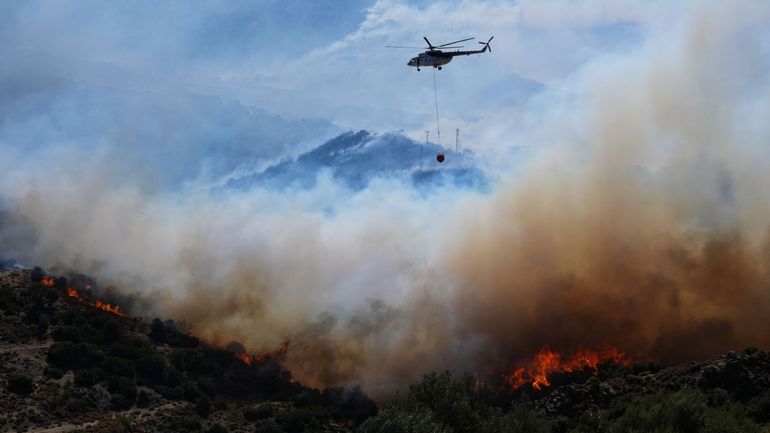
{"x": 435, "y": 98}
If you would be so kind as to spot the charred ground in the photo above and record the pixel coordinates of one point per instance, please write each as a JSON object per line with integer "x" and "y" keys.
{"x": 70, "y": 365}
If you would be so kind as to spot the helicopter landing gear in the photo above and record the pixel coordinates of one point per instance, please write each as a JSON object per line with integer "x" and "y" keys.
{"x": 418, "y": 69}
{"x": 439, "y": 68}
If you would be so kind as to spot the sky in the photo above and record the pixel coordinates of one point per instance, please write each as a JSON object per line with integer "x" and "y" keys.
{"x": 319, "y": 60}
{"x": 639, "y": 218}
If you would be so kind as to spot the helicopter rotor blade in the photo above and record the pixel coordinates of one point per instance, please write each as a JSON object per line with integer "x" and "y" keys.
{"x": 450, "y": 43}
{"x": 398, "y": 46}
{"x": 429, "y": 44}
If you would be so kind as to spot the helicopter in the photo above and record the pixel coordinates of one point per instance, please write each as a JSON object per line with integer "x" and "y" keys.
{"x": 435, "y": 57}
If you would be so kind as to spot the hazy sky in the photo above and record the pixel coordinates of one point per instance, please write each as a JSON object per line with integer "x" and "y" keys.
{"x": 318, "y": 59}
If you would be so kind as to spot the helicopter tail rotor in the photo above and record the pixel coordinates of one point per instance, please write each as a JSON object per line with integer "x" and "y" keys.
{"x": 486, "y": 45}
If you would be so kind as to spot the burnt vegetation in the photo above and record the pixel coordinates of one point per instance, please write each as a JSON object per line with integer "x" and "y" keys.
{"x": 65, "y": 361}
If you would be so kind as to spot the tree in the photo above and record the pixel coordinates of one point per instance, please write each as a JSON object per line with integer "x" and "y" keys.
{"x": 158, "y": 330}
{"x": 36, "y": 275}
{"x": 20, "y": 384}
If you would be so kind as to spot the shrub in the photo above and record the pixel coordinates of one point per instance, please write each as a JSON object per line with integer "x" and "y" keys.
{"x": 718, "y": 397}
{"x": 53, "y": 372}
{"x": 110, "y": 331}
{"x": 19, "y": 384}
{"x": 158, "y": 330}
{"x": 271, "y": 427}
{"x": 191, "y": 392}
{"x": 66, "y": 333}
{"x": 203, "y": 406}
{"x": 122, "y": 385}
{"x": 42, "y": 326}
{"x": 143, "y": 399}
{"x": 258, "y": 412}
{"x": 88, "y": 377}
{"x": 295, "y": 420}
{"x": 216, "y": 428}
{"x": 63, "y": 354}
{"x": 36, "y": 275}
{"x": 120, "y": 367}
{"x": 121, "y": 402}
{"x": 60, "y": 283}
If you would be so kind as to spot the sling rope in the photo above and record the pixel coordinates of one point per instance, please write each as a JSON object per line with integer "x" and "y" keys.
{"x": 435, "y": 98}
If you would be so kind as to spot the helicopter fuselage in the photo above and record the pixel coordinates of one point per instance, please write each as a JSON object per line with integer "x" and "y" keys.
{"x": 430, "y": 58}
{"x": 436, "y": 58}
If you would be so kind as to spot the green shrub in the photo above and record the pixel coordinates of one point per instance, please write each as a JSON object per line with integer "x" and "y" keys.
{"x": 268, "y": 427}
{"x": 142, "y": 399}
{"x": 717, "y": 397}
{"x": 111, "y": 331}
{"x": 88, "y": 377}
{"x": 53, "y": 372}
{"x": 191, "y": 392}
{"x": 36, "y": 275}
{"x": 63, "y": 354}
{"x": 122, "y": 385}
{"x": 9, "y": 302}
{"x": 120, "y": 367}
{"x": 258, "y": 412}
{"x": 19, "y": 384}
{"x": 295, "y": 420}
{"x": 203, "y": 406}
{"x": 158, "y": 330}
{"x": 121, "y": 402}
{"x": 66, "y": 333}
{"x": 759, "y": 407}
{"x": 216, "y": 428}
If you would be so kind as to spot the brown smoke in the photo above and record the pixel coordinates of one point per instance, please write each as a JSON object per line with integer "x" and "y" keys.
{"x": 650, "y": 230}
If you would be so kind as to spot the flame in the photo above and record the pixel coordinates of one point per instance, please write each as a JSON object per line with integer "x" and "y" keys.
{"x": 277, "y": 353}
{"x": 246, "y": 359}
{"x": 109, "y": 308}
{"x": 48, "y": 282}
{"x": 72, "y": 293}
{"x": 547, "y": 362}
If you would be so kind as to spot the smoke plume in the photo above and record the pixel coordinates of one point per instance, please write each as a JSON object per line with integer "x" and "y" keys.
{"x": 641, "y": 221}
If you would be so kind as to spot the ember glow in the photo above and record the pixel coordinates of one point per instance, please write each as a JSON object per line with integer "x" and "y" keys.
{"x": 48, "y": 282}
{"x": 256, "y": 359}
{"x": 547, "y": 362}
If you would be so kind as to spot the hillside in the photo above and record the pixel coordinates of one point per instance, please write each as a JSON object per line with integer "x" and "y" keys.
{"x": 72, "y": 362}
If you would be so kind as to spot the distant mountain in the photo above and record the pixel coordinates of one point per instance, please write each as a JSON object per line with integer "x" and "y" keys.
{"x": 356, "y": 158}
{"x": 166, "y": 138}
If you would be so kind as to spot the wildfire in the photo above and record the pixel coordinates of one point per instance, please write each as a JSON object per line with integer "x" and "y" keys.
{"x": 48, "y": 282}
{"x": 72, "y": 293}
{"x": 256, "y": 359}
{"x": 109, "y": 308}
{"x": 547, "y": 362}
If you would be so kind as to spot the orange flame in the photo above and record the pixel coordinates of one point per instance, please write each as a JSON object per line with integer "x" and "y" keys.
{"x": 277, "y": 353}
{"x": 72, "y": 293}
{"x": 48, "y": 282}
{"x": 109, "y": 308}
{"x": 547, "y": 362}
{"x": 246, "y": 359}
